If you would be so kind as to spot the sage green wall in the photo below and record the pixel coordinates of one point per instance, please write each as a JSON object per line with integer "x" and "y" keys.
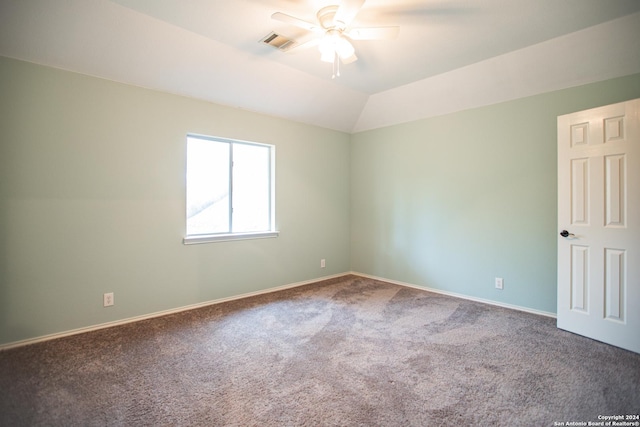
{"x": 454, "y": 201}
{"x": 92, "y": 200}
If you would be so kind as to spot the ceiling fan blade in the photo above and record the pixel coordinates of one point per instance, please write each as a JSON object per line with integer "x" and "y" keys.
{"x": 288, "y": 19}
{"x": 347, "y": 10}
{"x": 373, "y": 33}
{"x": 305, "y": 43}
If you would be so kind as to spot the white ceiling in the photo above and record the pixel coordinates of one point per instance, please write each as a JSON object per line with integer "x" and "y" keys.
{"x": 450, "y": 54}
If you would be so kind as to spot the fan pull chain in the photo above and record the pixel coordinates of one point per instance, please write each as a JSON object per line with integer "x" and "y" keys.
{"x": 335, "y": 66}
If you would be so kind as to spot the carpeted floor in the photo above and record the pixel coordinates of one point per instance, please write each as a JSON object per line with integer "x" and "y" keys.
{"x": 350, "y": 351}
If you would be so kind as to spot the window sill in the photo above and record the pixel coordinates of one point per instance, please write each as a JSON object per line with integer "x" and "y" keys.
{"x": 212, "y": 238}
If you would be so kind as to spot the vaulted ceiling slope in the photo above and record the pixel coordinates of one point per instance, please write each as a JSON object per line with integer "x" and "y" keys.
{"x": 450, "y": 55}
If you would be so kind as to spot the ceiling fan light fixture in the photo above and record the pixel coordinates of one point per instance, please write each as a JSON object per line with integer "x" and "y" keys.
{"x": 344, "y": 49}
{"x": 334, "y": 43}
{"x": 329, "y": 40}
{"x": 328, "y": 55}
{"x": 327, "y": 46}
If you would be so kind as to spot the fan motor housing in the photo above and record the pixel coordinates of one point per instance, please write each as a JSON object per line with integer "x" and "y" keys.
{"x": 326, "y": 17}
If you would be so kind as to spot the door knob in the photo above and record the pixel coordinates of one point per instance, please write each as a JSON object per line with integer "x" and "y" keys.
{"x": 565, "y": 233}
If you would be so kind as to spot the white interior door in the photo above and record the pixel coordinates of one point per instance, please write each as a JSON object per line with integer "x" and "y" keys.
{"x": 599, "y": 206}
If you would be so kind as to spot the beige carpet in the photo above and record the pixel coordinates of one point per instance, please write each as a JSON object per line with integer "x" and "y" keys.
{"x": 345, "y": 352}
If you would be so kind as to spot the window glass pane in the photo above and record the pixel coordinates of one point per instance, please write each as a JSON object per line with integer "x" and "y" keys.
{"x": 207, "y": 186}
{"x": 251, "y": 188}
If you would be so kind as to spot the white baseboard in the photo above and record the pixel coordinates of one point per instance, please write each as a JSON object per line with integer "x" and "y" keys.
{"x": 162, "y": 313}
{"x": 250, "y": 294}
{"x": 453, "y": 294}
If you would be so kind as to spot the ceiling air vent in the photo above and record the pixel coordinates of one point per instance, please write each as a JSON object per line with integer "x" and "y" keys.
{"x": 278, "y": 41}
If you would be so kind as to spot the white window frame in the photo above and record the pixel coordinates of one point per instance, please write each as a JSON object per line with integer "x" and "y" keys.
{"x": 227, "y": 236}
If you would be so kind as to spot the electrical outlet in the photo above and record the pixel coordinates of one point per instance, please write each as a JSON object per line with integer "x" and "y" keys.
{"x": 107, "y": 299}
{"x": 323, "y": 264}
{"x": 499, "y": 283}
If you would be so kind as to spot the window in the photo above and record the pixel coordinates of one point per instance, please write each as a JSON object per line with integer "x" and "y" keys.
{"x": 230, "y": 190}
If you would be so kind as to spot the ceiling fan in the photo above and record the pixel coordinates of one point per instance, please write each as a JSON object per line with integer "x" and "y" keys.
{"x": 333, "y": 34}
